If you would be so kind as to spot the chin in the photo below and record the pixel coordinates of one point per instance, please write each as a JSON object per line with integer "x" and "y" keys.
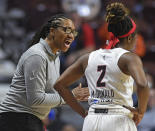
{"x": 65, "y": 50}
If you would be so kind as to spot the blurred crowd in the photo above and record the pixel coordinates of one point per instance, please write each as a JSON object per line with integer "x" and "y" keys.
{"x": 20, "y": 19}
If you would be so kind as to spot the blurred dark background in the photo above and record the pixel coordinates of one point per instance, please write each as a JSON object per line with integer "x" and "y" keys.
{"x": 20, "y": 19}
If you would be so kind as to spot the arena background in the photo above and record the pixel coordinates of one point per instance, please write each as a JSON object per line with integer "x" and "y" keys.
{"x": 19, "y": 19}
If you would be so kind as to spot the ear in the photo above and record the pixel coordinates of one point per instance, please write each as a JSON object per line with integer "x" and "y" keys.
{"x": 52, "y": 30}
{"x": 51, "y": 33}
{"x": 129, "y": 38}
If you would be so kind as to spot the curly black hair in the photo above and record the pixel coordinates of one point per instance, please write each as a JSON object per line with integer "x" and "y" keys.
{"x": 119, "y": 23}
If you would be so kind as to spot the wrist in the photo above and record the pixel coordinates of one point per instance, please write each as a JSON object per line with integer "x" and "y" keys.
{"x": 84, "y": 114}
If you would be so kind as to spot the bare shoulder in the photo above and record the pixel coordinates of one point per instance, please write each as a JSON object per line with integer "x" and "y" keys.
{"x": 129, "y": 59}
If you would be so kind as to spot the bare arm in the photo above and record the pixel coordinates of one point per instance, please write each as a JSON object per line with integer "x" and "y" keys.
{"x": 73, "y": 73}
{"x": 131, "y": 64}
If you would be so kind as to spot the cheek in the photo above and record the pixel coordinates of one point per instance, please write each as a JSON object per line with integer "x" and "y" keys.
{"x": 134, "y": 42}
{"x": 59, "y": 39}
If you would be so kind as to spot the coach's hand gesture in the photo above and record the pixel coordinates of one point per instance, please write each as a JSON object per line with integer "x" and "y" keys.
{"x": 138, "y": 115}
{"x": 81, "y": 94}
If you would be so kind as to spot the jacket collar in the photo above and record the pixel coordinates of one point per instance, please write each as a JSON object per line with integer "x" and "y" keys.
{"x": 48, "y": 49}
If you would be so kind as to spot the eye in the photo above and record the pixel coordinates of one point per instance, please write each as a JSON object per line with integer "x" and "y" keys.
{"x": 68, "y": 30}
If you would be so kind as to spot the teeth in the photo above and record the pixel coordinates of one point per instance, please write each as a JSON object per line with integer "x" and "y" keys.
{"x": 67, "y": 42}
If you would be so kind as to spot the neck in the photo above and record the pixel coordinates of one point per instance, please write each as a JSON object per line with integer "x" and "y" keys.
{"x": 51, "y": 45}
{"x": 124, "y": 45}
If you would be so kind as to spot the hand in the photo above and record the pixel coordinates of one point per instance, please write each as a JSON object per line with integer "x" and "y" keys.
{"x": 137, "y": 114}
{"x": 81, "y": 94}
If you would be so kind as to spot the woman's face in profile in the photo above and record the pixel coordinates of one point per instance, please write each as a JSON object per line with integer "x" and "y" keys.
{"x": 64, "y": 35}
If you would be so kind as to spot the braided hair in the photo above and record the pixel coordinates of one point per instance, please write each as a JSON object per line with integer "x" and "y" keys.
{"x": 119, "y": 23}
{"x": 54, "y": 22}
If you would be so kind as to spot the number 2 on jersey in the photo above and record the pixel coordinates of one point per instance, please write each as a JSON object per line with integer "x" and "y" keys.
{"x": 102, "y": 69}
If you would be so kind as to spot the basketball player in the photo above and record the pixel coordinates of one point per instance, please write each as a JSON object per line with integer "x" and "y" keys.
{"x": 110, "y": 73}
{"x": 31, "y": 94}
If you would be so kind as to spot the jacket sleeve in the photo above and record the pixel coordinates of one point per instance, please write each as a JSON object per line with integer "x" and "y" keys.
{"x": 35, "y": 81}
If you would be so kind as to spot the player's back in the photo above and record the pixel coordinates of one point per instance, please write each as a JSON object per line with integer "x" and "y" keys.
{"x": 108, "y": 85}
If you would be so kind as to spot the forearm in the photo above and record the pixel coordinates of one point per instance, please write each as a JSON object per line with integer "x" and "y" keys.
{"x": 143, "y": 96}
{"x": 44, "y": 99}
{"x": 53, "y": 100}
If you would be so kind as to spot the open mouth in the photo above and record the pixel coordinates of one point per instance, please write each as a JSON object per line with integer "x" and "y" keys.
{"x": 67, "y": 43}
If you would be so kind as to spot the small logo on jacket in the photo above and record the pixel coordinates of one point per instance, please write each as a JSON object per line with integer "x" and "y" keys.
{"x": 34, "y": 75}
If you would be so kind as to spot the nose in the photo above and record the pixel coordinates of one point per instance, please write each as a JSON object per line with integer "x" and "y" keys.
{"x": 70, "y": 36}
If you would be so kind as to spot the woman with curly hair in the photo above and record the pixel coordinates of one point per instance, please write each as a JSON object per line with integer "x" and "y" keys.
{"x": 110, "y": 75}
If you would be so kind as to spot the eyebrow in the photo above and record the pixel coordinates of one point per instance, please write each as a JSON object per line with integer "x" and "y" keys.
{"x": 69, "y": 27}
